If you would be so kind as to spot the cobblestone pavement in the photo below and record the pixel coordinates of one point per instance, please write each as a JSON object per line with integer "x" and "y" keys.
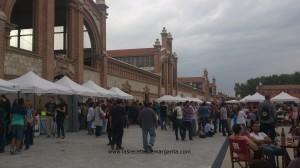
{"x": 79, "y": 150}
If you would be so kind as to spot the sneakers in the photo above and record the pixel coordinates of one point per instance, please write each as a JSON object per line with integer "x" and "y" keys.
{"x": 119, "y": 148}
{"x": 150, "y": 148}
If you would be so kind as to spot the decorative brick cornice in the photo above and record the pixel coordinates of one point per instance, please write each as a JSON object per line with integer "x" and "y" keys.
{"x": 187, "y": 88}
{"x": 127, "y": 71}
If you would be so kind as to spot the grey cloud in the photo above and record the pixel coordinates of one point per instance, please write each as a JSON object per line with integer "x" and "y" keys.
{"x": 234, "y": 39}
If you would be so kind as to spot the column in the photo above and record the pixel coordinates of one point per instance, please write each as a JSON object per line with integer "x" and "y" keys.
{"x": 102, "y": 55}
{"x": 3, "y": 40}
{"x": 175, "y": 77}
{"x": 166, "y": 76}
{"x": 170, "y": 82}
{"x": 44, "y": 35}
{"x": 103, "y": 71}
{"x": 75, "y": 38}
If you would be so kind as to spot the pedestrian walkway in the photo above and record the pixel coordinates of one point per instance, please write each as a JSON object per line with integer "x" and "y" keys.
{"x": 79, "y": 150}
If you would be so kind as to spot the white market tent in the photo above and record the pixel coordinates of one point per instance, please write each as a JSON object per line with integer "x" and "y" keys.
{"x": 32, "y": 83}
{"x": 284, "y": 97}
{"x": 7, "y": 87}
{"x": 100, "y": 90}
{"x": 255, "y": 98}
{"x": 75, "y": 88}
{"x": 232, "y": 101}
{"x": 244, "y": 99}
{"x": 121, "y": 94}
{"x": 168, "y": 99}
{"x": 178, "y": 98}
{"x": 194, "y": 99}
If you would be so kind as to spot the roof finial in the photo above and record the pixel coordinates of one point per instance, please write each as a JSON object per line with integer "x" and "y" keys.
{"x": 157, "y": 43}
{"x": 164, "y": 30}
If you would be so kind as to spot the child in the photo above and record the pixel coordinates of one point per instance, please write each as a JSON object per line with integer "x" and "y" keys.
{"x": 209, "y": 129}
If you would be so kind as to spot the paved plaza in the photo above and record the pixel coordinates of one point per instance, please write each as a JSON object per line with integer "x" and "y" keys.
{"x": 79, "y": 150}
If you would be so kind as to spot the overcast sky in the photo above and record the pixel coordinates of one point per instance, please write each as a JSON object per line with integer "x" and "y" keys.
{"x": 234, "y": 39}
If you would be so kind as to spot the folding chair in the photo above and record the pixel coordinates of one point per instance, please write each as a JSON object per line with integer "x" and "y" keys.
{"x": 239, "y": 152}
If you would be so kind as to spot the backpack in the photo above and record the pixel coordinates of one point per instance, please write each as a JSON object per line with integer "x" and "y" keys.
{"x": 265, "y": 113}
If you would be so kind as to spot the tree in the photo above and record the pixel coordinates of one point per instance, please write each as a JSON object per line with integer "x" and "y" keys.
{"x": 244, "y": 89}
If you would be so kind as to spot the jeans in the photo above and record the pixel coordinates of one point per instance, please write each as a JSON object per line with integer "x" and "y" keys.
{"x": 225, "y": 127}
{"x": 269, "y": 129}
{"x": 194, "y": 127}
{"x": 163, "y": 122}
{"x": 60, "y": 125}
{"x": 215, "y": 123}
{"x": 209, "y": 134}
{"x": 271, "y": 152}
{"x": 220, "y": 125}
{"x": 89, "y": 127}
{"x": 187, "y": 125}
{"x": 28, "y": 136}
{"x": 178, "y": 128}
{"x": 148, "y": 141}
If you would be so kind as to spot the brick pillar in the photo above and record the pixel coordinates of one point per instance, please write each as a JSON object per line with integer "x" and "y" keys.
{"x": 103, "y": 55}
{"x": 170, "y": 75}
{"x": 75, "y": 38}
{"x": 103, "y": 72}
{"x": 44, "y": 35}
{"x": 2, "y": 42}
{"x": 157, "y": 63}
{"x": 166, "y": 78}
{"x": 175, "y": 77}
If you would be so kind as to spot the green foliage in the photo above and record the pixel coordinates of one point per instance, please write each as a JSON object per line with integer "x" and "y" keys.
{"x": 244, "y": 89}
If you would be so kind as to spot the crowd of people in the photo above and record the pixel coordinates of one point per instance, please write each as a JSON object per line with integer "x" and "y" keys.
{"x": 256, "y": 123}
{"x": 18, "y": 119}
{"x": 260, "y": 133}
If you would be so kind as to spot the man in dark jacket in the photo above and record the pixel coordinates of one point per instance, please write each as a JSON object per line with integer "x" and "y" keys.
{"x": 266, "y": 116}
{"x": 148, "y": 123}
{"x": 118, "y": 116}
{"x": 7, "y": 117}
{"x": 2, "y": 127}
{"x": 163, "y": 115}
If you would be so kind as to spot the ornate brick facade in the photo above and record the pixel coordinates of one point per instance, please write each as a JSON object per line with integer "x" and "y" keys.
{"x": 68, "y": 18}
{"x": 202, "y": 83}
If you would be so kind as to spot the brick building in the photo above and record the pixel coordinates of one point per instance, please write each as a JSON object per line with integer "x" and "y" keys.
{"x": 68, "y": 37}
{"x": 202, "y": 83}
{"x": 274, "y": 90}
{"x": 159, "y": 60}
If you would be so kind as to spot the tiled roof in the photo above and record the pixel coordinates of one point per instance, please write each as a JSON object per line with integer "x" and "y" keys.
{"x": 191, "y": 79}
{"x": 271, "y": 87}
{"x": 132, "y": 52}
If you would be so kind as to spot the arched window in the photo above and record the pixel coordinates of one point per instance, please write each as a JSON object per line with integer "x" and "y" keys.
{"x": 60, "y": 29}
{"x": 88, "y": 45}
{"x": 21, "y": 34}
